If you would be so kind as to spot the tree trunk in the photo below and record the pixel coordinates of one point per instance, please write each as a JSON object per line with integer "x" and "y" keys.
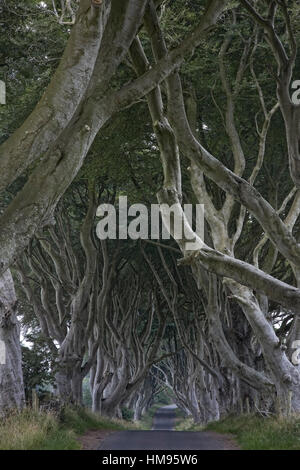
{"x": 138, "y": 408}
{"x": 63, "y": 386}
{"x": 11, "y": 377}
{"x": 69, "y": 383}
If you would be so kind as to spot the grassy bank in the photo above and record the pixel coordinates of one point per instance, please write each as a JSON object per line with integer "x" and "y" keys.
{"x": 187, "y": 424}
{"x": 31, "y": 430}
{"x": 255, "y": 433}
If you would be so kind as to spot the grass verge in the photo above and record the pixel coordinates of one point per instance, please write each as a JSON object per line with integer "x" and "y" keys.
{"x": 256, "y": 433}
{"x": 29, "y": 430}
{"x": 182, "y": 422}
{"x": 187, "y": 424}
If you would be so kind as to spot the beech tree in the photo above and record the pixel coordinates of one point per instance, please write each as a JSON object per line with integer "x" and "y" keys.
{"x": 238, "y": 294}
{"x": 79, "y": 100}
{"x": 11, "y": 377}
{"x": 176, "y": 131}
{"x": 116, "y": 24}
{"x": 128, "y": 347}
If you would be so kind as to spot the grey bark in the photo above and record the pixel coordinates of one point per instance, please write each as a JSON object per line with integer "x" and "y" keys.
{"x": 11, "y": 376}
{"x": 35, "y": 204}
{"x": 61, "y": 98}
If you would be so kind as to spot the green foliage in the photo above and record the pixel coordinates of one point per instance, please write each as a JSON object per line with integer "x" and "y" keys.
{"x": 36, "y": 368}
{"x": 255, "y": 433}
{"x": 31, "y": 44}
{"x": 187, "y": 424}
{"x": 127, "y": 414}
{"x": 32, "y": 431}
{"x": 163, "y": 398}
{"x": 80, "y": 420}
{"x": 125, "y": 158}
{"x": 29, "y": 430}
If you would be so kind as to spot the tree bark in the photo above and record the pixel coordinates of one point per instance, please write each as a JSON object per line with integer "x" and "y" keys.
{"x": 11, "y": 377}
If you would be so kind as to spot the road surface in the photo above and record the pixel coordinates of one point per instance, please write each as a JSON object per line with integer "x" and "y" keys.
{"x": 164, "y": 418}
{"x": 163, "y": 438}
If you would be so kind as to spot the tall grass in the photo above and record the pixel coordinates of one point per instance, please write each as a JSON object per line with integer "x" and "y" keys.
{"x": 256, "y": 433}
{"x": 31, "y": 430}
{"x": 187, "y": 424}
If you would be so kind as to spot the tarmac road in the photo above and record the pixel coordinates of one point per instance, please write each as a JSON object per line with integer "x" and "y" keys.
{"x": 163, "y": 438}
{"x": 164, "y": 418}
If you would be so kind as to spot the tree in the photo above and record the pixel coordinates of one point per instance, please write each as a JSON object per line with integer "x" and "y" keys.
{"x": 242, "y": 287}
{"x": 79, "y": 100}
{"x": 175, "y": 131}
{"x": 11, "y": 376}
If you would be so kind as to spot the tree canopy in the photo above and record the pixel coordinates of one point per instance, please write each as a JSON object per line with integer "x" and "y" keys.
{"x": 164, "y": 102}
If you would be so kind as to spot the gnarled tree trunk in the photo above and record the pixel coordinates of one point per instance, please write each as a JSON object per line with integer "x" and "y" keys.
{"x": 11, "y": 377}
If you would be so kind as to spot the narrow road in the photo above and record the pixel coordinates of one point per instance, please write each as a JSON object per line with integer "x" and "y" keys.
{"x": 163, "y": 438}
{"x": 164, "y": 418}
